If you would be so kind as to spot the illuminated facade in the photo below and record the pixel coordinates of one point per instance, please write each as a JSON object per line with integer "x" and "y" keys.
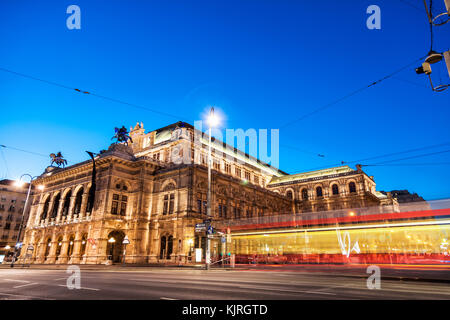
{"x": 154, "y": 193}
{"x": 12, "y": 201}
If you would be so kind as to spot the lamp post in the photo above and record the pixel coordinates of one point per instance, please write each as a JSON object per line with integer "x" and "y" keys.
{"x": 7, "y": 247}
{"x": 20, "y": 184}
{"x": 212, "y": 121}
{"x": 112, "y": 241}
{"x": 125, "y": 242}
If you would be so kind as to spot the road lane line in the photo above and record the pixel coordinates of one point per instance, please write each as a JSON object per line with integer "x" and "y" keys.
{"x": 165, "y": 298}
{"x": 21, "y": 295}
{"x": 285, "y": 290}
{"x": 26, "y": 284}
{"x": 83, "y": 288}
{"x": 16, "y": 280}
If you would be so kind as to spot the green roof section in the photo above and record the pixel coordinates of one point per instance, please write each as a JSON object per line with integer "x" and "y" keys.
{"x": 311, "y": 174}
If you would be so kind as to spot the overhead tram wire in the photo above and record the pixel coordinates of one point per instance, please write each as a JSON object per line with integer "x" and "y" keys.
{"x": 380, "y": 156}
{"x": 90, "y": 93}
{"x": 326, "y": 106}
{"x": 410, "y": 164}
{"x": 22, "y": 150}
{"x": 407, "y": 158}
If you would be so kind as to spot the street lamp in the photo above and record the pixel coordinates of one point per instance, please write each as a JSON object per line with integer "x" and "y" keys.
{"x": 112, "y": 241}
{"x": 190, "y": 242}
{"x": 213, "y": 121}
{"x": 20, "y": 184}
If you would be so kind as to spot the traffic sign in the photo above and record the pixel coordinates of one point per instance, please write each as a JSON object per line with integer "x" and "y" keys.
{"x": 210, "y": 230}
{"x": 19, "y": 245}
{"x": 200, "y": 227}
{"x": 126, "y": 240}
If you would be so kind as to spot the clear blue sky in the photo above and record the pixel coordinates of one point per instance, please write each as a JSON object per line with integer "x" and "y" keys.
{"x": 263, "y": 63}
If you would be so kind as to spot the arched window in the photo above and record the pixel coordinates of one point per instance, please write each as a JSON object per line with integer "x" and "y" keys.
{"x": 335, "y": 189}
{"x": 56, "y": 205}
{"x": 163, "y": 248}
{"x": 48, "y": 244}
{"x": 78, "y": 200}
{"x": 319, "y": 192}
{"x": 59, "y": 246}
{"x": 305, "y": 194}
{"x": 83, "y": 244}
{"x": 352, "y": 187}
{"x": 169, "y": 247}
{"x": 290, "y": 195}
{"x": 70, "y": 247}
{"x": 45, "y": 210}
{"x": 65, "y": 210}
{"x": 90, "y": 202}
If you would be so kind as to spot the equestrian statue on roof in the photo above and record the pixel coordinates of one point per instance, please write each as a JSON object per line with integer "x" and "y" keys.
{"x": 122, "y": 135}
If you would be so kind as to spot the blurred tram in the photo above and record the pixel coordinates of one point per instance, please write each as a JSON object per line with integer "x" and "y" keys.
{"x": 411, "y": 237}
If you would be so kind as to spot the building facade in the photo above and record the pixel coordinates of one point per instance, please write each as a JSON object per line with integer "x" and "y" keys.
{"x": 154, "y": 191}
{"x": 12, "y": 202}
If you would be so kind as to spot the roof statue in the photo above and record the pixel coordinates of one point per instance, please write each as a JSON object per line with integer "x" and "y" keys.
{"x": 122, "y": 135}
{"x": 58, "y": 159}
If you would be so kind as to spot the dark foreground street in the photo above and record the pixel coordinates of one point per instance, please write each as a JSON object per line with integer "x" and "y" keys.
{"x": 174, "y": 284}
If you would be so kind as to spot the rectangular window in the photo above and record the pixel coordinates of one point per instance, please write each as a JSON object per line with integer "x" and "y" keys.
{"x": 216, "y": 165}
{"x": 228, "y": 168}
{"x": 123, "y": 208}
{"x": 256, "y": 179}
{"x": 7, "y": 226}
{"x": 119, "y": 205}
{"x": 199, "y": 206}
{"x": 166, "y": 204}
{"x": 205, "y": 207}
{"x": 171, "y": 203}
{"x": 114, "y": 207}
{"x": 247, "y": 175}
{"x": 237, "y": 172}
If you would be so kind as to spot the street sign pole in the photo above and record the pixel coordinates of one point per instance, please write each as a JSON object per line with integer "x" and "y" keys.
{"x": 125, "y": 242}
{"x": 208, "y": 212}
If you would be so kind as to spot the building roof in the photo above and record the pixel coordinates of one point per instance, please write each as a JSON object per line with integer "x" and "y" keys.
{"x": 317, "y": 174}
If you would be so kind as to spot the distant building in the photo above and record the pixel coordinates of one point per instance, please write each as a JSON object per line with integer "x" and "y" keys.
{"x": 154, "y": 191}
{"x": 404, "y": 196}
{"x": 12, "y": 201}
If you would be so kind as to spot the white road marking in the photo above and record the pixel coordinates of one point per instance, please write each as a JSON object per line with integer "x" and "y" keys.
{"x": 165, "y": 298}
{"x": 26, "y": 284}
{"x": 285, "y": 290}
{"x": 84, "y": 288}
{"x": 23, "y": 296}
{"x": 16, "y": 280}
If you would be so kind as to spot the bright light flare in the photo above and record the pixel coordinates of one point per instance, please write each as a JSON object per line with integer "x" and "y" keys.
{"x": 213, "y": 119}
{"x": 19, "y": 183}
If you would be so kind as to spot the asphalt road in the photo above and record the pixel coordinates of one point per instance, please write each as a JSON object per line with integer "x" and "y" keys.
{"x": 184, "y": 284}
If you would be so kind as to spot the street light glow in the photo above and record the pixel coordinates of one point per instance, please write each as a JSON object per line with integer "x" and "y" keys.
{"x": 213, "y": 119}
{"x": 19, "y": 183}
{"x": 41, "y": 187}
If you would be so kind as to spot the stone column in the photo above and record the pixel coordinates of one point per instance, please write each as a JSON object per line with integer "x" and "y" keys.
{"x": 84, "y": 199}
{"x": 60, "y": 206}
